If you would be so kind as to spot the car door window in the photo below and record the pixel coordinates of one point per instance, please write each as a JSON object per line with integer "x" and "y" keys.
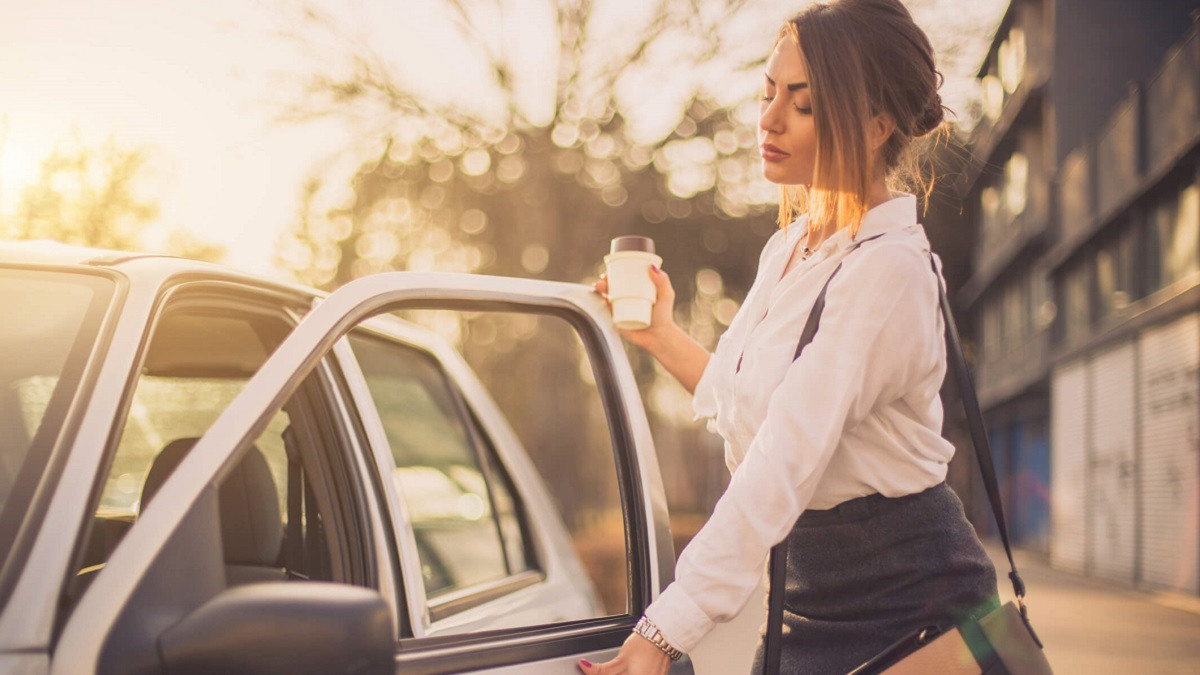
{"x": 275, "y": 505}
{"x": 522, "y": 419}
{"x": 543, "y": 378}
{"x": 464, "y": 520}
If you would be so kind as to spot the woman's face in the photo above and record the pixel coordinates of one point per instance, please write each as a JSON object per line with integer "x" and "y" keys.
{"x": 786, "y": 136}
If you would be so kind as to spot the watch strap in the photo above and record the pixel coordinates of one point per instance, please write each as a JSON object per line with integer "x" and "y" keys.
{"x": 646, "y": 628}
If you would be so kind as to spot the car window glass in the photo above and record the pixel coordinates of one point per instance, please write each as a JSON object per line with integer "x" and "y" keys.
{"x": 560, "y": 459}
{"x": 465, "y": 531}
{"x": 166, "y": 409}
{"x": 51, "y": 326}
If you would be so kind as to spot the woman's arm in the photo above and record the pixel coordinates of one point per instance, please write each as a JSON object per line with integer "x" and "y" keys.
{"x": 682, "y": 356}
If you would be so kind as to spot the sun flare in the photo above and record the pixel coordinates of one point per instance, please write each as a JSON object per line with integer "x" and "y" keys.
{"x": 18, "y": 167}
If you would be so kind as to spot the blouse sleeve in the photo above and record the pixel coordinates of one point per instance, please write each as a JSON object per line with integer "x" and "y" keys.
{"x": 877, "y": 334}
{"x": 704, "y": 400}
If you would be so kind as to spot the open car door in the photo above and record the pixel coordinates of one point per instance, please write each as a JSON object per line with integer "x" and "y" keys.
{"x": 162, "y": 603}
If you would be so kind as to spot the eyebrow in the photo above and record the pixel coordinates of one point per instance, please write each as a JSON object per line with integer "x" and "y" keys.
{"x": 792, "y": 86}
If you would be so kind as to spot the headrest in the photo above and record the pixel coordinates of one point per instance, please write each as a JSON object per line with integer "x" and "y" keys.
{"x": 251, "y": 526}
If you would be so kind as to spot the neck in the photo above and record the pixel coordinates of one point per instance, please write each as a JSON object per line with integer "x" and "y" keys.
{"x": 878, "y": 194}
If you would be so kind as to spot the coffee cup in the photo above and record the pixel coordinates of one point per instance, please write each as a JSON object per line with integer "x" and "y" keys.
{"x": 630, "y": 290}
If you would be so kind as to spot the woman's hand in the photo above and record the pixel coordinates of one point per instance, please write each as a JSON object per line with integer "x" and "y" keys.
{"x": 638, "y": 656}
{"x": 682, "y": 356}
{"x": 662, "y": 319}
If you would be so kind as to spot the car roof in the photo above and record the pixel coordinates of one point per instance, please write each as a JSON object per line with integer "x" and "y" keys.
{"x": 131, "y": 263}
{"x": 157, "y": 267}
{"x": 51, "y": 252}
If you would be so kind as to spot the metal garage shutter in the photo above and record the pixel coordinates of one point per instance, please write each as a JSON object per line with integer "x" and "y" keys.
{"x": 1068, "y": 468}
{"x": 1112, "y": 456}
{"x": 1170, "y": 435}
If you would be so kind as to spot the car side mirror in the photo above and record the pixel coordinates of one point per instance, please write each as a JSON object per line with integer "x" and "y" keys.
{"x": 284, "y": 627}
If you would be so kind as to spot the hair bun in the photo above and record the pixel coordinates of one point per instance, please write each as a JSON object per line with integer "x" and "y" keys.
{"x": 933, "y": 116}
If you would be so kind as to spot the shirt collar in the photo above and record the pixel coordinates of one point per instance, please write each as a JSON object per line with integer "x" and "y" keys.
{"x": 898, "y": 212}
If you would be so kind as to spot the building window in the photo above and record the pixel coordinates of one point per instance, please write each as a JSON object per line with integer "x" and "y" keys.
{"x": 989, "y": 206}
{"x": 993, "y": 97}
{"x": 1005, "y": 75}
{"x": 1174, "y": 237}
{"x": 1016, "y": 184}
{"x": 1010, "y": 60}
{"x": 999, "y": 204}
{"x": 1041, "y": 304}
{"x": 1015, "y": 315}
{"x": 1075, "y": 303}
{"x": 1114, "y": 288}
{"x": 991, "y": 331}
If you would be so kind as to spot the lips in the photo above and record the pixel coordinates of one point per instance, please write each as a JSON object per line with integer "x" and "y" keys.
{"x": 770, "y": 153}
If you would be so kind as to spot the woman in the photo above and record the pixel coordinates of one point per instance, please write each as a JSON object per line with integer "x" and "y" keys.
{"x": 845, "y": 437}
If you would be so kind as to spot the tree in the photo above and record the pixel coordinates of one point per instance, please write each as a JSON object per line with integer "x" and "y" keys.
{"x": 92, "y": 196}
{"x": 87, "y": 196}
{"x": 517, "y": 190}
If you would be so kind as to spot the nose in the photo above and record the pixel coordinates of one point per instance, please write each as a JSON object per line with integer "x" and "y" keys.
{"x": 770, "y": 117}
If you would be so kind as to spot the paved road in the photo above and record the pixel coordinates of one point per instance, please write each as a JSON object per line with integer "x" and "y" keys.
{"x": 1093, "y": 627}
{"x": 1090, "y": 627}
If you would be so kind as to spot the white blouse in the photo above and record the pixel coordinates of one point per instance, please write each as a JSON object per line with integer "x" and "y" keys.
{"x": 857, "y": 413}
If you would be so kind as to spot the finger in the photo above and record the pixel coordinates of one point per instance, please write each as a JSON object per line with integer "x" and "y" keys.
{"x": 590, "y": 668}
{"x": 662, "y": 280}
{"x": 601, "y": 286}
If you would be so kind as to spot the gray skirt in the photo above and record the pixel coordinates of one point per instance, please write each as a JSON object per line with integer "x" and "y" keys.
{"x": 872, "y": 570}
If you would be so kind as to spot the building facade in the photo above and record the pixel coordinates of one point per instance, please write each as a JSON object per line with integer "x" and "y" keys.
{"x": 1084, "y": 292}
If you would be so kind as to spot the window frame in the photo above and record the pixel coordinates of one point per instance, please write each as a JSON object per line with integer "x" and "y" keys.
{"x": 56, "y": 452}
{"x": 420, "y": 651}
{"x": 189, "y": 294}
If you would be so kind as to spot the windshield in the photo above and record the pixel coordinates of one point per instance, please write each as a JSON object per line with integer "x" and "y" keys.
{"x": 48, "y": 331}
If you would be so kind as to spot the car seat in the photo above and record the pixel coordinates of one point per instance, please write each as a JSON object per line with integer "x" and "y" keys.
{"x": 251, "y": 524}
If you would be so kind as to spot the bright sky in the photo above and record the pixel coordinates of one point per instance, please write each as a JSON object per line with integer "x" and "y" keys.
{"x": 196, "y": 83}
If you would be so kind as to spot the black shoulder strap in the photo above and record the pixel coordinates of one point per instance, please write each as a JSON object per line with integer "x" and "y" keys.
{"x": 979, "y": 438}
{"x": 814, "y": 317}
{"x": 983, "y": 453}
{"x": 779, "y": 553}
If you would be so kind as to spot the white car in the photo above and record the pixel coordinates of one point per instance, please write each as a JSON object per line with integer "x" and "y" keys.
{"x": 205, "y": 471}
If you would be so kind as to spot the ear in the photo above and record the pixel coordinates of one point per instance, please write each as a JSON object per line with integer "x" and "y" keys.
{"x": 879, "y": 130}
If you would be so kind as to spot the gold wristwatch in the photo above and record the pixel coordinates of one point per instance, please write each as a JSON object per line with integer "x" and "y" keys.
{"x": 648, "y": 630}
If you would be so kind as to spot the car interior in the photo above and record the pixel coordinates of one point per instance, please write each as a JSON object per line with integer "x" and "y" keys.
{"x": 251, "y": 527}
{"x": 272, "y": 523}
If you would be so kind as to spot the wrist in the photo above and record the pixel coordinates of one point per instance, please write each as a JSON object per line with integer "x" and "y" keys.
{"x": 662, "y": 341}
{"x": 646, "y": 629}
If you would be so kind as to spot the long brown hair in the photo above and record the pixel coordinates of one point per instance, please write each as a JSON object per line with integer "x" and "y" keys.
{"x": 863, "y": 57}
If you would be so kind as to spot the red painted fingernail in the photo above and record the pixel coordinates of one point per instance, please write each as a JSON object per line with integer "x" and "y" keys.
{"x": 655, "y": 268}
{"x": 586, "y": 663}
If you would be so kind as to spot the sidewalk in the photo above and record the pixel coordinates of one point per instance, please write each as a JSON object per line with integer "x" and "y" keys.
{"x": 1089, "y": 626}
{"x": 1095, "y": 627}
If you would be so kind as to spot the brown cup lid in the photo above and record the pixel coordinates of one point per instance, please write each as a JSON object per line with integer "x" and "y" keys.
{"x": 632, "y": 242}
